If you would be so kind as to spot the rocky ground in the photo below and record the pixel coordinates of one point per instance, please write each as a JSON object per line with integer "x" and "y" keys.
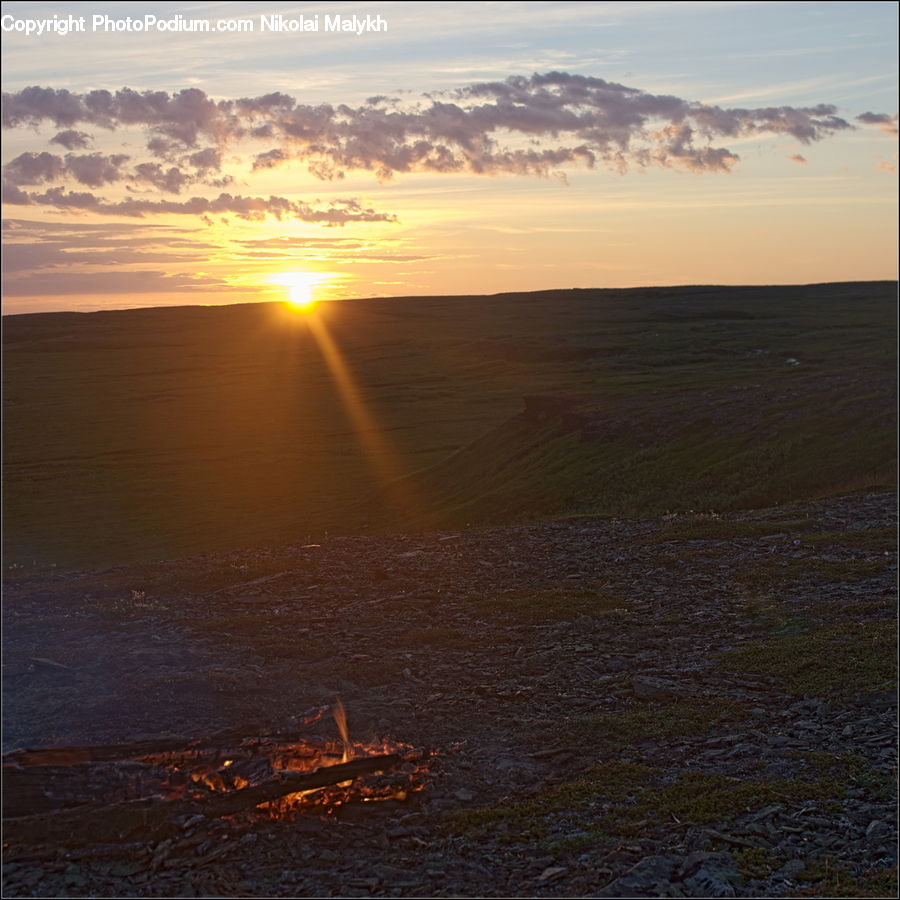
{"x": 695, "y": 706}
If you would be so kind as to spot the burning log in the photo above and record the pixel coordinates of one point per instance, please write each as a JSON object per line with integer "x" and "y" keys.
{"x": 153, "y": 817}
{"x": 294, "y": 783}
{"x": 145, "y": 789}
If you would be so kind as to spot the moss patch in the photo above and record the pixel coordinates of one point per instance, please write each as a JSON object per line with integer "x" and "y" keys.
{"x": 879, "y": 539}
{"x": 610, "y": 782}
{"x": 285, "y": 635}
{"x": 777, "y": 570}
{"x": 556, "y": 603}
{"x": 659, "y": 722}
{"x": 754, "y": 862}
{"x": 848, "y": 569}
{"x": 620, "y": 799}
{"x": 830, "y": 662}
{"x": 710, "y": 527}
{"x": 767, "y": 610}
{"x": 830, "y": 877}
{"x": 441, "y": 636}
{"x": 847, "y": 770}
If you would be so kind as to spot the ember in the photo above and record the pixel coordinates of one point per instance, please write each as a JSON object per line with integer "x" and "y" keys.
{"x": 112, "y": 792}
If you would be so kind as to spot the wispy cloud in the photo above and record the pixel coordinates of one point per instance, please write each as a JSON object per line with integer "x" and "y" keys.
{"x": 152, "y": 281}
{"x": 252, "y": 209}
{"x": 802, "y": 86}
{"x": 338, "y": 249}
{"x": 62, "y": 258}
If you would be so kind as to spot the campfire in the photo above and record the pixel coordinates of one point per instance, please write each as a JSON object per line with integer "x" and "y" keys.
{"x": 147, "y": 788}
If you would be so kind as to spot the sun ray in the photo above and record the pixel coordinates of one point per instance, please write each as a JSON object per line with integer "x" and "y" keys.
{"x": 301, "y": 288}
{"x": 378, "y": 449}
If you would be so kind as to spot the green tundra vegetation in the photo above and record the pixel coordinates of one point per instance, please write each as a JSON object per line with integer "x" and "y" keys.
{"x": 158, "y": 433}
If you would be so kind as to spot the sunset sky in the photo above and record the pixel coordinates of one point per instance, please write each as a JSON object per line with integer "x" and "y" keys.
{"x": 469, "y": 148}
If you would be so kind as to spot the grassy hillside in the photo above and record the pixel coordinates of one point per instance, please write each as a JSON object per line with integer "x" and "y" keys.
{"x": 712, "y": 452}
{"x": 156, "y": 433}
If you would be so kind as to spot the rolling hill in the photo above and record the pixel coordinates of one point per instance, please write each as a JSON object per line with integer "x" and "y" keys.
{"x": 156, "y": 433}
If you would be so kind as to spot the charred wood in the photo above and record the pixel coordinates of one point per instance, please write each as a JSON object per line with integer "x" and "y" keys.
{"x": 153, "y": 817}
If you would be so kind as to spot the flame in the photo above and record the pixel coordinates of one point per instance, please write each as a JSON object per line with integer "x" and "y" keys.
{"x": 196, "y": 771}
{"x": 340, "y": 718}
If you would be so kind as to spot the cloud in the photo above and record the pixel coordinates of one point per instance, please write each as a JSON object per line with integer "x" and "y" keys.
{"x": 100, "y": 234}
{"x": 286, "y": 242}
{"x": 798, "y": 158}
{"x": 97, "y": 258}
{"x": 181, "y": 116}
{"x": 598, "y": 120}
{"x": 171, "y": 180}
{"x": 34, "y": 226}
{"x": 32, "y": 105}
{"x": 33, "y": 168}
{"x": 95, "y": 169}
{"x": 27, "y": 257}
{"x": 206, "y": 160}
{"x": 111, "y": 282}
{"x": 270, "y": 159}
{"x": 533, "y": 125}
{"x": 354, "y": 257}
{"x": 338, "y": 212}
{"x": 98, "y": 169}
{"x": 72, "y": 140}
{"x": 33, "y": 245}
{"x": 888, "y": 166}
{"x": 888, "y": 124}
{"x": 347, "y": 250}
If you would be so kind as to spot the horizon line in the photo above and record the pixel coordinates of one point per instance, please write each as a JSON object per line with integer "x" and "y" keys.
{"x": 655, "y": 287}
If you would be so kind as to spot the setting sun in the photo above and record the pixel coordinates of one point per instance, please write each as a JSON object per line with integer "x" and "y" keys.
{"x": 300, "y": 288}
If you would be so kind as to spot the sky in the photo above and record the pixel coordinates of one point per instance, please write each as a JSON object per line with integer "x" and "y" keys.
{"x": 441, "y": 148}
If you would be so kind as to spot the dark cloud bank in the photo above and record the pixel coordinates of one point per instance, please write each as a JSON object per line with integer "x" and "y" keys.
{"x": 522, "y": 126}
